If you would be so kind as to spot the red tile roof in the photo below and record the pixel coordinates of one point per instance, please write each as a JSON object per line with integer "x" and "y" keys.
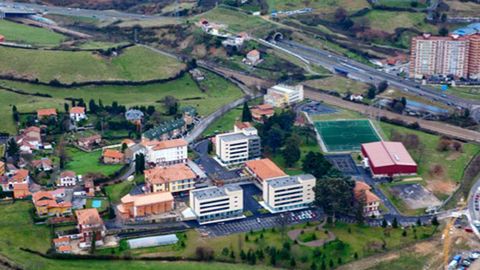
{"x": 159, "y": 145}
{"x": 46, "y": 112}
{"x": 147, "y": 199}
{"x": 112, "y": 153}
{"x": 65, "y": 174}
{"x": 160, "y": 175}
{"x": 264, "y": 169}
{"x": 88, "y": 216}
{"x": 77, "y": 110}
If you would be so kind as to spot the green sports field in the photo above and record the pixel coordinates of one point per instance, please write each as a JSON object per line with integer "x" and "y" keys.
{"x": 346, "y": 135}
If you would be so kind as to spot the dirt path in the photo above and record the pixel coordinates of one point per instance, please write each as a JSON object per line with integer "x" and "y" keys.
{"x": 294, "y": 234}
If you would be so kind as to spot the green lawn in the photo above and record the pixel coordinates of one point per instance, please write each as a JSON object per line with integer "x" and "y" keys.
{"x": 20, "y": 33}
{"x": 116, "y": 191}
{"x": 218, "y": 93}
{"x": 339, "y": 84}
{"x": 453, "y": 163}
{"x": 407, "y": 261}
{"x": 237, "y": 21}
{"x": 388, "y": 21}
{"x": 133, "y": 64}
{"x": 325, "y": 6}
{"x": 472, "y": 92}
{"x": 401, "y": 3}
{"x": 82, "y": 162}
{"x": 102, "y": 208}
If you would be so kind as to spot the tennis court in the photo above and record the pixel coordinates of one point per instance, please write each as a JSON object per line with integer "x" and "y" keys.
{"x": 345, "y": 135}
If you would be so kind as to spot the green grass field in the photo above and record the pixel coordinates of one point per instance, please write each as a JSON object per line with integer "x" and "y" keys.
{"x": 346, "y": 135}
{"x": 82, "y": 162}
{"x": 452, "y": 163}
{"x": 325, "y": 6}
{"x": 117, "y": 191}
{"x": 23, "y": 34}
{"x": 133, "y": 64}
{"x": 388, "y": 21}
{"x": 402, "y": 3}
{"x": 218, "y": 93}
{"x": 237, "y": 21}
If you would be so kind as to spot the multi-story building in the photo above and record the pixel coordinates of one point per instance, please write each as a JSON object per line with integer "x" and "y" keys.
{"x": 454, "y": 55}
{"x": 237, "y": 147}
{"x": 282, "y": 95}
{"x": 288, "y": 193}
{"x": 13, "y": 178}
{"x": 175, "y": 178}
{"x": 261, "y": 112}
{"x": 263, "y": 170}
{"x": 370, "y": 201}
{"x": 67, "y": 178}
{"x": 77, "y": 114}
{"x": 166, "y": 152}
{"x": 144, "y": 205}
{"x": 215, "y": 204}
{"x": 91, "y": 227}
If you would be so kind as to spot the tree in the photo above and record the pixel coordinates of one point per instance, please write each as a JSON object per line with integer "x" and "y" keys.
{"x": 172, "y": 105}
{"x": 93, "y": 245}
{"x": 204, "y": 253}
{"x": 384, "y": 223}
{"x": 293, "y": 263}
{"x": 73, "y": 103}
{"x": 66, "y": 107}
{"x": 291, "y": 152}
{"x": 372, "y": 92}
{"x": 395, "y": 223}
{"x": 443, "y": 31}
{"x": 334, "y": 194}
{"x": 124, "y": 147}
{"x": 139, "y": 163}
{"x": 246, "y": 113}
{"x": 92, "y": 106}
{"x": 382, "y": 86}
{"x": 435, "y": 221}
{"x": 275, "y": 138}
{"x": 340, "y": 15}
{"x": 15, "y": 114}
{"x": 316, "y": 164}
{"x": 12, "y": 148}
{"x": 419, "y": 222}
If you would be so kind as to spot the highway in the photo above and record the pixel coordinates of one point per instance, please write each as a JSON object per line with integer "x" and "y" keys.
{"x": 98, "y": 14}
{"x": 368, "y": 74}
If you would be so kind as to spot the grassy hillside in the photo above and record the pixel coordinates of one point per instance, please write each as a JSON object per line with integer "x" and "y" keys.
{"x": 19, "y": 33}
{"x": 218, "y": 93}
{"x": 134, "y": 64}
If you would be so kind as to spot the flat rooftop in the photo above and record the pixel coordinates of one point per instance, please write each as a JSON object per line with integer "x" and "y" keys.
{"x": 230, "y": 137}
{"x": 286, "y": 181}
{"x": 214, "y": 192}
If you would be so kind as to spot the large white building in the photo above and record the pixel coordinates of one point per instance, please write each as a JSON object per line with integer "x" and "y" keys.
{"x": 216, "y": 204}
{"x": 238, "y": 146}
{"x": 166, "y": 152}
{"x": 288, "y": 193}
{"x": 282, "y": 95}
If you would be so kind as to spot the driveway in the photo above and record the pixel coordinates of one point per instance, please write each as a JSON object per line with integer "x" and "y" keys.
{"x": 211, "y": 167}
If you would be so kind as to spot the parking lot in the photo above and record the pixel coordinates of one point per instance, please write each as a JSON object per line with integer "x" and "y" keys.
{"x": 344, "y": 163}
{"x": 415, "y": 196}
{"x": 315, "y": 108}
{"x": 261, "y": 222}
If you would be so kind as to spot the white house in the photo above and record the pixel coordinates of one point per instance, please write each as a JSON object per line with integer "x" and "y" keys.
{"x": 67, "y": 178}
{"x": 77, "y": 114}
{"x": 166, "y": 152}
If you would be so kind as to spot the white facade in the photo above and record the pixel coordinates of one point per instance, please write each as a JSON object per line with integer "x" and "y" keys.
{"x": 238, "y": 147}
{"x": 288, "y": 193}
{"x": 166, "y": 155}
{"x": 67, "y": 181}
{"x": 215, "y": 204}
{"x": 78, "y": 116}
{"x": 281, "y": 95}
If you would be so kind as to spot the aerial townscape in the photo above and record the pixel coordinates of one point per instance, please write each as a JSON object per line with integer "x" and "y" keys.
{"x": 241, "y": 135}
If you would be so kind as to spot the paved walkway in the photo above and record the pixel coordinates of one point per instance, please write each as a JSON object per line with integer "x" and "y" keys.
{"x": 294, "y": 234}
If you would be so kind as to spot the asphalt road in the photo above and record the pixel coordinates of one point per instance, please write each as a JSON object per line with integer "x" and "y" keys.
{"x": 368, "y": 74}
{"x": 99, "y": 14}
{"x": 473, "y": 215}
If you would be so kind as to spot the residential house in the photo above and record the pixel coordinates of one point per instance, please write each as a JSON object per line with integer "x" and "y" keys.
{"x": 67, "y": 178}
{"x": 174, "y": 178}
{"x": 166, "y": 131}
{"x": 253, "y": 57}
{"x": 261, "y": 112}
{"x": 62, "y": 245}
{"x": 21, "y": 191}
{"x": 282, "y": 95}
{"x": 134, "y": 150}
{"x": 112, "y": 156}
{"x": 29, "y": 139}
{"x": 13, "y": 178}
{"x": 370, "y": 201}
{"x": 51, "y": 203}
{"x": 89, "y": 142}
{"x": 144, "y": 205}
{"x": 216, "y": 204}
{"x": 189, "y": 113}
{"x": 237, "y": 147}
{"x": 43, "y": 164}
{"x": 65, "y": 249}
{"x": 91, "y": 227}
{"x": 89, "y": 187}
{"x": 77, "y": 114}
{"x": 134, "y": 116}
{"x": 46, "y": 113}
{"x": 166, "y": 152}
